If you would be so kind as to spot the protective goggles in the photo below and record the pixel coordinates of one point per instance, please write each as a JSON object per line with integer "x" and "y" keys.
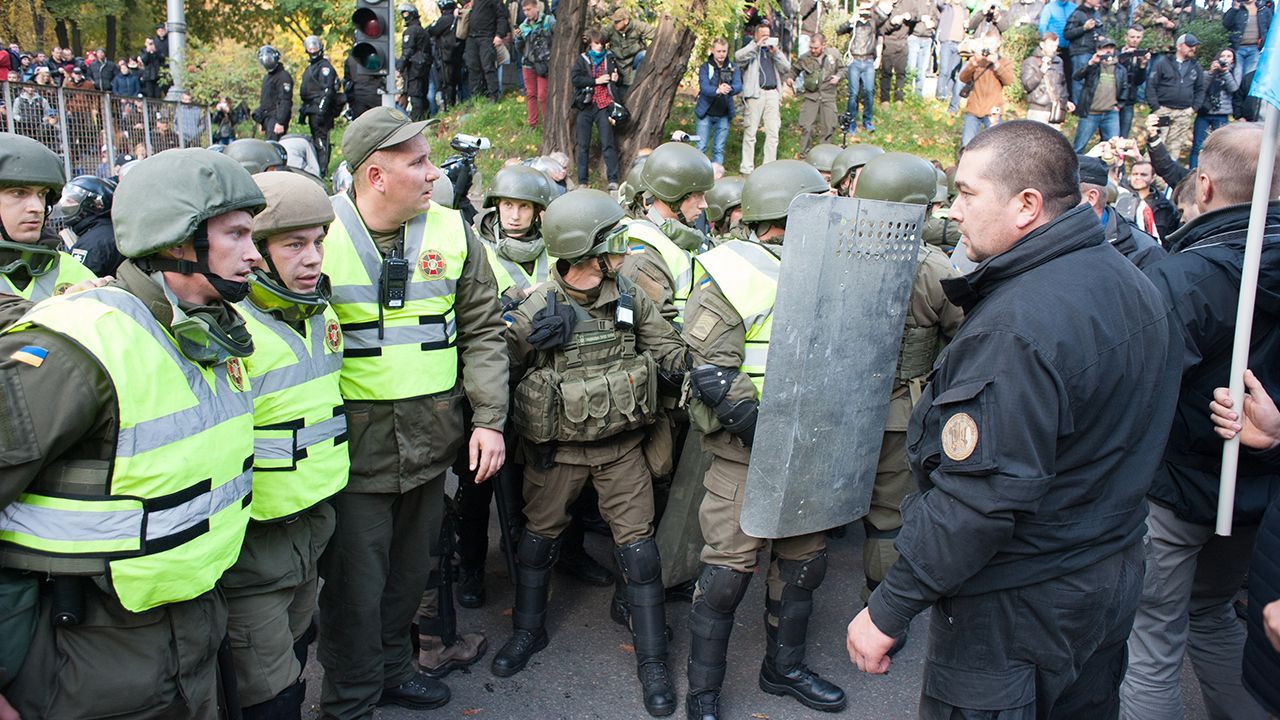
{"x": 271, "y": 296}
{"x": 37, "y": 260}
{"x": 613, "y": 241}
{"x": 201, "y": 339}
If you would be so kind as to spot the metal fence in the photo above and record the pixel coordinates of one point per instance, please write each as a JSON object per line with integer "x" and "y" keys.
{"x": 89, "y": 129}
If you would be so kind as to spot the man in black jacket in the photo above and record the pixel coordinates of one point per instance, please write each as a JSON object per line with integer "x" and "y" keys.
{"x": 1142, "y": 249}
{"x": 1103, "y": 83}
{"x": 415, "y": 61}
{"x": 1175, "y": 89}
{"x": 487, "y": 26}
{"x": 446, "y": 55}
{"x": 275, "y": 103}
{"x": 319, "y": 95}
{"x": 1193, "y": 575}
{"x": 1134, "y": 59}
{"x": 1083, "y": 33}
{"x": 1031, "y": 447}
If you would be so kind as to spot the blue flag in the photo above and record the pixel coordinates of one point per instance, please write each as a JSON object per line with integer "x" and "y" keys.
{"x": 1266, "y": 81}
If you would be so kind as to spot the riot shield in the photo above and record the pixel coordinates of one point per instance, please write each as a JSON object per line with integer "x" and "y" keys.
{"x": 838, "y": 319}
{"x": 679, "y": 535}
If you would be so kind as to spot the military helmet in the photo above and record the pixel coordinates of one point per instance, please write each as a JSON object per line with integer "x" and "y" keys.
{"x": 723, "y": 197}
{"x": 823, "y": 156}
{"x": 24, "y": 161}
{"x": 898, "y": 177}
{"x": 674, "y": 170}
{"x": 313, "y": 45}
{"x": 940, "y": 196}
{"x": 293, "y": 202}
{"x": 85, "y": 197}
{"x": 577, "y": 222}
{"x": 632, "y": 188}
{"x": 768, "y": 192}
{"x": 851, "y": 158}
{"x": 166, "y": 197}
{"x": 268, "y": 57}
{"x": 442, "y": 191}
{"x": 254, "y": 155}
{"x": 520, "y": 182}
{"x": 405, "y": 8}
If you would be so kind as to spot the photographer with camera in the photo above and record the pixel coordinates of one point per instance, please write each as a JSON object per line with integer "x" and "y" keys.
{"x": 1083, "y": 33}
{"x": 1224, "y": 81}
{"x": 461, "y": 170}
{"x": 1134, "y": 59}
{"x": 595, "y": 84}
{"x": 952, "y": 26}
{"x": 1247, "y": 23}
{"x": 1102, "y": 82}
{"x": 862, "y": 30}
{"x": 985, "y": 76}
{"x": 1045, "y": 84}
{"x": 718, "y": 81}
{"x": 765, "y": 70}
{"x": 1175, "y": 89}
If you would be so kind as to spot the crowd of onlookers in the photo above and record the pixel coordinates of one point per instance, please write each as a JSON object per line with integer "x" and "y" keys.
{"x": 144, "y": 74}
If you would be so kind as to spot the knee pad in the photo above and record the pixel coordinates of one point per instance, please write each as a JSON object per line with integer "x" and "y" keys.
{"x": 722, "y": 588}
{"x": 805, "y": 574}
{"x": 639, "y": 561}
{"x": 537, "y": 551}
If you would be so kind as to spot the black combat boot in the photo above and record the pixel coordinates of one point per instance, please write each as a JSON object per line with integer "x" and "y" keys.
{"x": 783, "y": 671}
{"x": 470, "y": 587}
{"x": 720, "y": 589}
{"x": 285, "y": 706}
{"x": 643, "y": 571}
{"x": 536, "y": 555}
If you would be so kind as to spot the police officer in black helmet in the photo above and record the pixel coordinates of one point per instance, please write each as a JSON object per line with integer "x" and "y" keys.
{"x": 275, "y": 103}
{"x": 415, "y": 60}
{"x": 319, "y": 98}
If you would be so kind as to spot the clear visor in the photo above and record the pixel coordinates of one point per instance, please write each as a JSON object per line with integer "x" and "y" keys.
{"x": 74, "y": 199}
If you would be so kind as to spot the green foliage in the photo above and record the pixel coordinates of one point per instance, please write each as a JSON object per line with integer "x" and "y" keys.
{"x": 222, "y": 67}
{"x": 1016, "y": 45}
{"x": 1212, "y": 37}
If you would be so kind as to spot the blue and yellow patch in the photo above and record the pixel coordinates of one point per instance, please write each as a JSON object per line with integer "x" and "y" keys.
{"x": 31, "y": 355}
{"x": 637, "y": 249}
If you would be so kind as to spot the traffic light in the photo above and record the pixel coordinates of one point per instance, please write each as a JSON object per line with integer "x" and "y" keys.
{"x": 373, "y": 47}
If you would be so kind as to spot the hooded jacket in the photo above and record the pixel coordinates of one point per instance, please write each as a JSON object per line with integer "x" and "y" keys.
{"x": 1201, "y": 283}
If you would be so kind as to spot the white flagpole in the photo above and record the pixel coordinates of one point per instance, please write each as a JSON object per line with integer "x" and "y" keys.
{"x": 1244, "y": 311}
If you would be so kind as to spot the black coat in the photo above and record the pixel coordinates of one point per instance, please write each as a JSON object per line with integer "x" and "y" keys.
{"x": 1201, "y": 283}
{"x": 95, "y": 246}
{"x": 1141, "y": 249}
{"x": 319, "y": 90}
{"x": 582, "y": 79}
{"x": 1089, "y": 73}
{"x": 275, "y": 103}
{"x": 488, "y": 19}
{"x": 1261, "y": 661}
{"x": 1175, "y": 85}
{"x": 1083, "y": 41}
{"x": 1031, "y": 444}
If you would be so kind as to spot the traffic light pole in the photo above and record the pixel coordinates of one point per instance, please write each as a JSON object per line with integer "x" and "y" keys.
{"x": 176, "y": 25}
{"x": 389, "y": 90}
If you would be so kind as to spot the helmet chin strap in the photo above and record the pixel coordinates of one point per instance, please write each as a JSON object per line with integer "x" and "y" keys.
{"x": 232, "y": 291}
{"x": 605, "y": 269}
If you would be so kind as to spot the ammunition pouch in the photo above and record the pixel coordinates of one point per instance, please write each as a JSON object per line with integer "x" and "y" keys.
{"x": 920, "y": 347}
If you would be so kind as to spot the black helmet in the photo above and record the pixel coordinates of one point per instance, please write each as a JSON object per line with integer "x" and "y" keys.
{"x": 446, "y": 5}
{"x": 313, "y": 45}
{"x": 619, "y": 114}
{"x": 407, "y": 10}
{"x": 84, "y": 198}
{"x": 268, "y": 57}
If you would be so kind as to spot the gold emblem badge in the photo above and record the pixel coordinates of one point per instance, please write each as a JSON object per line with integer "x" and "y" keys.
{"x": 332, "y": 335}
{"x": 432, "y": 265}
{"x": 959, "y": 437}
{"x": 235, "y": 373}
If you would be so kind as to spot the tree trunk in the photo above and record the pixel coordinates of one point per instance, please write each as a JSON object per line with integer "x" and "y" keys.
{"x": 111, "y": 38}
{"x": 60, "y": 31}
{"x": 37, "y": 22}
{"x": 77, "y": 43}
{"x": 654, "y": 92}
{"x": 557, "y": 126}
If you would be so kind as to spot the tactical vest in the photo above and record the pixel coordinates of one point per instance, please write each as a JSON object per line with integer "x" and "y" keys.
{"x": 405, "y": 352}
{"x": 300, "y": 430}
{"x": 747, "y": 275}
{"x": 69, "y": 271}
{"x": 510, "y": 273}
{"x": 920, "y": 345}
{"x": 649, "y": 238}
{"x": 592, "y": 388}
{"x": 167, "y": 515}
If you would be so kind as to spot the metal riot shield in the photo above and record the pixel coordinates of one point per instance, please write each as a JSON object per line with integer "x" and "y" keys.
{"x": 679, "y": 535}
{"x": 841, "y": 306}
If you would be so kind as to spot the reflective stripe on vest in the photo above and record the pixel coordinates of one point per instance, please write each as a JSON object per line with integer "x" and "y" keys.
{"x": 648, "y": 237}
{"x": 174, "y": 514}
{"x": 68, "y": 272}
{"x": 747, "y": 275}
{"x": 300, "y": 429}
{"x": 405, "y": 352}
{"x": 510, "y": 273}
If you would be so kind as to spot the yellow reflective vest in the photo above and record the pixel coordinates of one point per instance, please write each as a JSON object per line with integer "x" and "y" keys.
{"x": 510, "y": 273}
{"x": 747, "y": 275}
{"x": 299, "y": 427}
{"x": 68, "y": 271}
{"x": 404, "y": 352}
{"x": 169, "y": 516}
{"x": 649, "y": 238}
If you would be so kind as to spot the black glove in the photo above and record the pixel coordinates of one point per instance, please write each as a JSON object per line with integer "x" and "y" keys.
{"x": 552, "y": 325}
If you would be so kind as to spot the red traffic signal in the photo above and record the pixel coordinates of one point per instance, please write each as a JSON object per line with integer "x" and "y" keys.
{"x": 372, "y": 47}
{"x": 368, "y": 22}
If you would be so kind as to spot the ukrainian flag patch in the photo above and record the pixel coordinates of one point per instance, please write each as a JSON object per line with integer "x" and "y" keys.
{"x": 31, "y": 355}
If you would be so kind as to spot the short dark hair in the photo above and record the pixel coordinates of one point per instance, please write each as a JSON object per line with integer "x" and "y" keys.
{"x": 1031, "y": 155}
{"x": 593, "y": 35}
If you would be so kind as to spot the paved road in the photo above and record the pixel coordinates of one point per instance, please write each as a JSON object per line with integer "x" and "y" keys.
{"x": 588, "y": 670}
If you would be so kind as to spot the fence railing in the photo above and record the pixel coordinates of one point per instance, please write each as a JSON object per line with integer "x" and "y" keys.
{"x": 88, "y": 129}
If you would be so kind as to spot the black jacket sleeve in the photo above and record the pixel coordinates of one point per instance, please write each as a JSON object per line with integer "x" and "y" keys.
{"x": 1075, "y": 26}
{"x": 284, "y": 101}
{"x": 581, "y": 75}
{"x": 1166, "y": 167}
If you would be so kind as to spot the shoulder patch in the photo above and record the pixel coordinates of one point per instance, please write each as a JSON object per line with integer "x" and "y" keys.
{"x": 959, "y": 436}
{"x": 702, "y": 327}
{"x": 324, "y": 71}
{"x": 30, "y": 355}
{"x": 288, "y": 87}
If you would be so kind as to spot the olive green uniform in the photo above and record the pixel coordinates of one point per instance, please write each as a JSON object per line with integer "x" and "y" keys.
{"x": 818, "y": 116}
{"x": 615, "y": 465}
{"x": 153, "y": 664}
{"x": 649, "y": 273}
{"x": 932, "y": 320}
{"x": 626, "y": 44}
{"x": 388, "y": 517}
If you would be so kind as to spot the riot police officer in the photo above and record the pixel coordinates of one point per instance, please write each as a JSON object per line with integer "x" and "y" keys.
{"x": 931, "y": 321}
{"x": 823, "y": 157}
{"x": 591, "y": 339}
{"x": 85, "y": 213}
{"x": 300, "y": 448}
{"x": 31, "y": 268}
{"x": 275, "y": 102}
{"x": 415, "y": 60}
{"x": 939, "y": 230}
{"x": 727, "y": 326}
{"x": 678, "y": 177}
{"x": 257, "y": 156}
{"x": 724, "y": 208}
{"x": 127, "y": 496}
{"x": 847, "y": 164}
{"x": 319, "y": 93}
{"x": 447, "y": 54}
